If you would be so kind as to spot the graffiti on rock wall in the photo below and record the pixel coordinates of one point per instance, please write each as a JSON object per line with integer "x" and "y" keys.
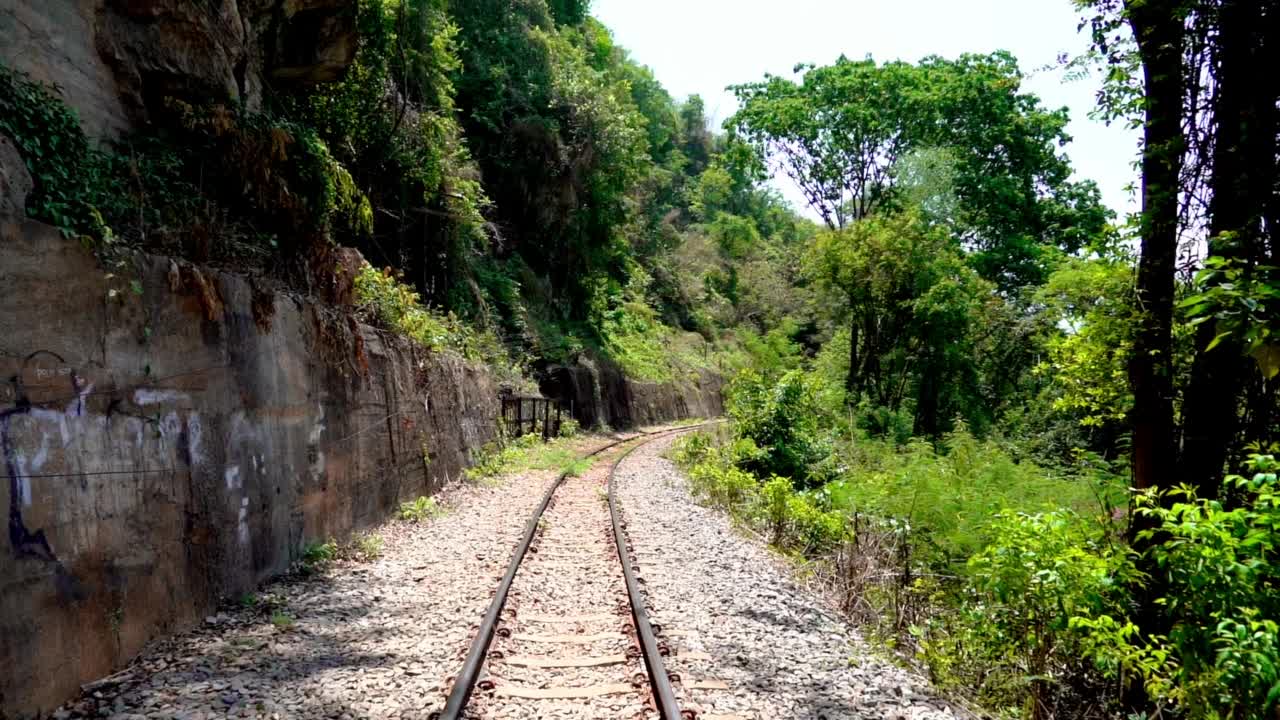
{"x": 25, "y": 543}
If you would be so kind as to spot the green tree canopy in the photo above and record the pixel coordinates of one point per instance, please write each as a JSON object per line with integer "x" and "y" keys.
{"x": 844, "y": 129}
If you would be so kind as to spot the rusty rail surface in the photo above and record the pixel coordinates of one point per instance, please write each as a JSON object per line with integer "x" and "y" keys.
{"x": 465, "y": 682}
{"x": 664, "y": 697}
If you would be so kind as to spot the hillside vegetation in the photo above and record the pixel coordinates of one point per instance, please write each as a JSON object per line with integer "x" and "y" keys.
{"x": 1026, "y": 442}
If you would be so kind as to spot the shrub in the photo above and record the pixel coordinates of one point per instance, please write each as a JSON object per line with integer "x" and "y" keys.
{"x": 569, "y": 428}
{"x": 62, "y": 163}
{"x": 722, "y": 485}
{"x": 772, "y": 507}
{"x": 396, "y": 306}
{"x": 784, "y": 420}
{"x": 1222, "y": 569}
{"x": 692, "y": 449}
{"x": 811, "y": 530}
{"x": 366, "y": 547}
{"x": 1012, "y": 638}
{"x": 317, "y": 556}
{"x": 1219, "y": 573}
{"x": 420, "y": 509}
{"x": 885, "y": 422}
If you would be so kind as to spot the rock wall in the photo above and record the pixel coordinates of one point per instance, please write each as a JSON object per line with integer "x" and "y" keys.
{"x": 116, "y": 60}
{"x": 600, "y": 394}
{"x": 174, "y": 435}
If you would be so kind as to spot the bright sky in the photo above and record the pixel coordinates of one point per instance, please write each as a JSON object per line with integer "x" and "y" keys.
{"x": 702, "y": 46}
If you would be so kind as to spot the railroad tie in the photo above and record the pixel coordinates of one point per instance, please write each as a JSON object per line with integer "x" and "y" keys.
{"x": 563, "y": 693}
{"x": 567, "y": 662}
{"x": 569, "y": 639}
{"x": 692, "y": 655}
{"x": 708, "y": 685}
{"x": 598, "y": 617}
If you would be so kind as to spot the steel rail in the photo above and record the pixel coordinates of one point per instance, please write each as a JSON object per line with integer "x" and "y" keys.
{"x": 465, "y": 682}
{"x": 664, "y": 696}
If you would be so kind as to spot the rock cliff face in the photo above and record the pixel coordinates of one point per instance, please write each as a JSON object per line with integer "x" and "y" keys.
{"x": 180, "y": 440}
{"x": 600, "y": 394}
{"x": 15, "y": 181}
{"x": 175, "y": 435}
{"x": 117, "y": 60}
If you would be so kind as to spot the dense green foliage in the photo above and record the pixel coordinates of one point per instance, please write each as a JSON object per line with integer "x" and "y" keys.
{"x": 1011, "y": 582}
{"x": 944, "y": 448}
{"x": 851, "y": 134}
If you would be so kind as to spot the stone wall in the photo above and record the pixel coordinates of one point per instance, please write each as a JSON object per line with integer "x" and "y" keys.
{"x": 600, "y": 394}
{"x": 172, "y": 435}
{"x": 116, "y": 60}
{"x": 177, "y": 440}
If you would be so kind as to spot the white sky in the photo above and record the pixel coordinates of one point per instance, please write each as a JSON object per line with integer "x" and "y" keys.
{"x": 702, "y": 46}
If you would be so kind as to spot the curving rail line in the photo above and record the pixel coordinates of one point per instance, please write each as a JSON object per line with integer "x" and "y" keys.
{"x": 660, "y": 683}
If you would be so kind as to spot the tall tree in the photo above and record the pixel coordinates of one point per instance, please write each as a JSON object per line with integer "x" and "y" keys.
{"x": 1159, "y": 32}
{"x": 912, "y": 304}
{"x": 1242, "y": 187}
{"x": 837, "y": 135}
{"x": 844, "y": 131}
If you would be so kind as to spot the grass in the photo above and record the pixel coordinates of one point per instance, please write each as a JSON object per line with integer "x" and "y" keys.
{"x": 577, "y": 466}
{"x": 264, "y": 603}
{"x": 282, "y": 621}
{"x": 366, "y": 547}
{"x": 953, "y": 495}
{"x": 317, "y": 556}
{"x": 420, "y": 510}
{"x": 527, "y": 452}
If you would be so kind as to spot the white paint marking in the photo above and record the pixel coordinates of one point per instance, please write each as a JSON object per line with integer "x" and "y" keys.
{"x": 42, "y": 455}
{"x": 76, "y": 408}
{"x": 144, "y": 396}
{"x": 232, "y": 476}
{"x": 52, "y": 417}
{"x": 24, "y": 482}
{"x": 170, "y": 426}
{"x": 242, "y": 531}
{"x": 313, "y": 439}
{"x": 195, "y": 433}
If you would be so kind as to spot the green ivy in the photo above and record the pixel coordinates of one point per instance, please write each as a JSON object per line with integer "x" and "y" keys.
{"x": 72, "y": 177}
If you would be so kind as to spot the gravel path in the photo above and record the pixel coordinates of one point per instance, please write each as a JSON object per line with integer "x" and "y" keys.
{"x": 373, "y": 639}
{"x": 735, "y": 618}
{"x": 567, "y": 605}
{"x": 382, "y": 639}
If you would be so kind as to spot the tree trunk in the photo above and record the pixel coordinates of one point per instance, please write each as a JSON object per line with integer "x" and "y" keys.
{"x": 851, "y": 384}
{"x": 926, "y": 421}
{"x": 1160, "y": 36}
{"x": 1159, "y": 33}
{"x": 1240, "y": 189}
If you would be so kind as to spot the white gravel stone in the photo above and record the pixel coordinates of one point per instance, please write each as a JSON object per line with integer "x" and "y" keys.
{"x": 373, "y": 639}
{"x": 782, "y": 651}
{"x": 382, "y": 639}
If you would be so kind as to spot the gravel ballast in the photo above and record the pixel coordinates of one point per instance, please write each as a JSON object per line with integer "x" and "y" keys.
{"x": 382, "y": 638}
{"x": 364, "y": 639}
{"x": 572, "y": 573}
{"x": 731, "y": 608}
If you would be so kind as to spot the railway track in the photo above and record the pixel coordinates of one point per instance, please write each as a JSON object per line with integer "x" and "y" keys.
{"x": 567, "y": 632}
